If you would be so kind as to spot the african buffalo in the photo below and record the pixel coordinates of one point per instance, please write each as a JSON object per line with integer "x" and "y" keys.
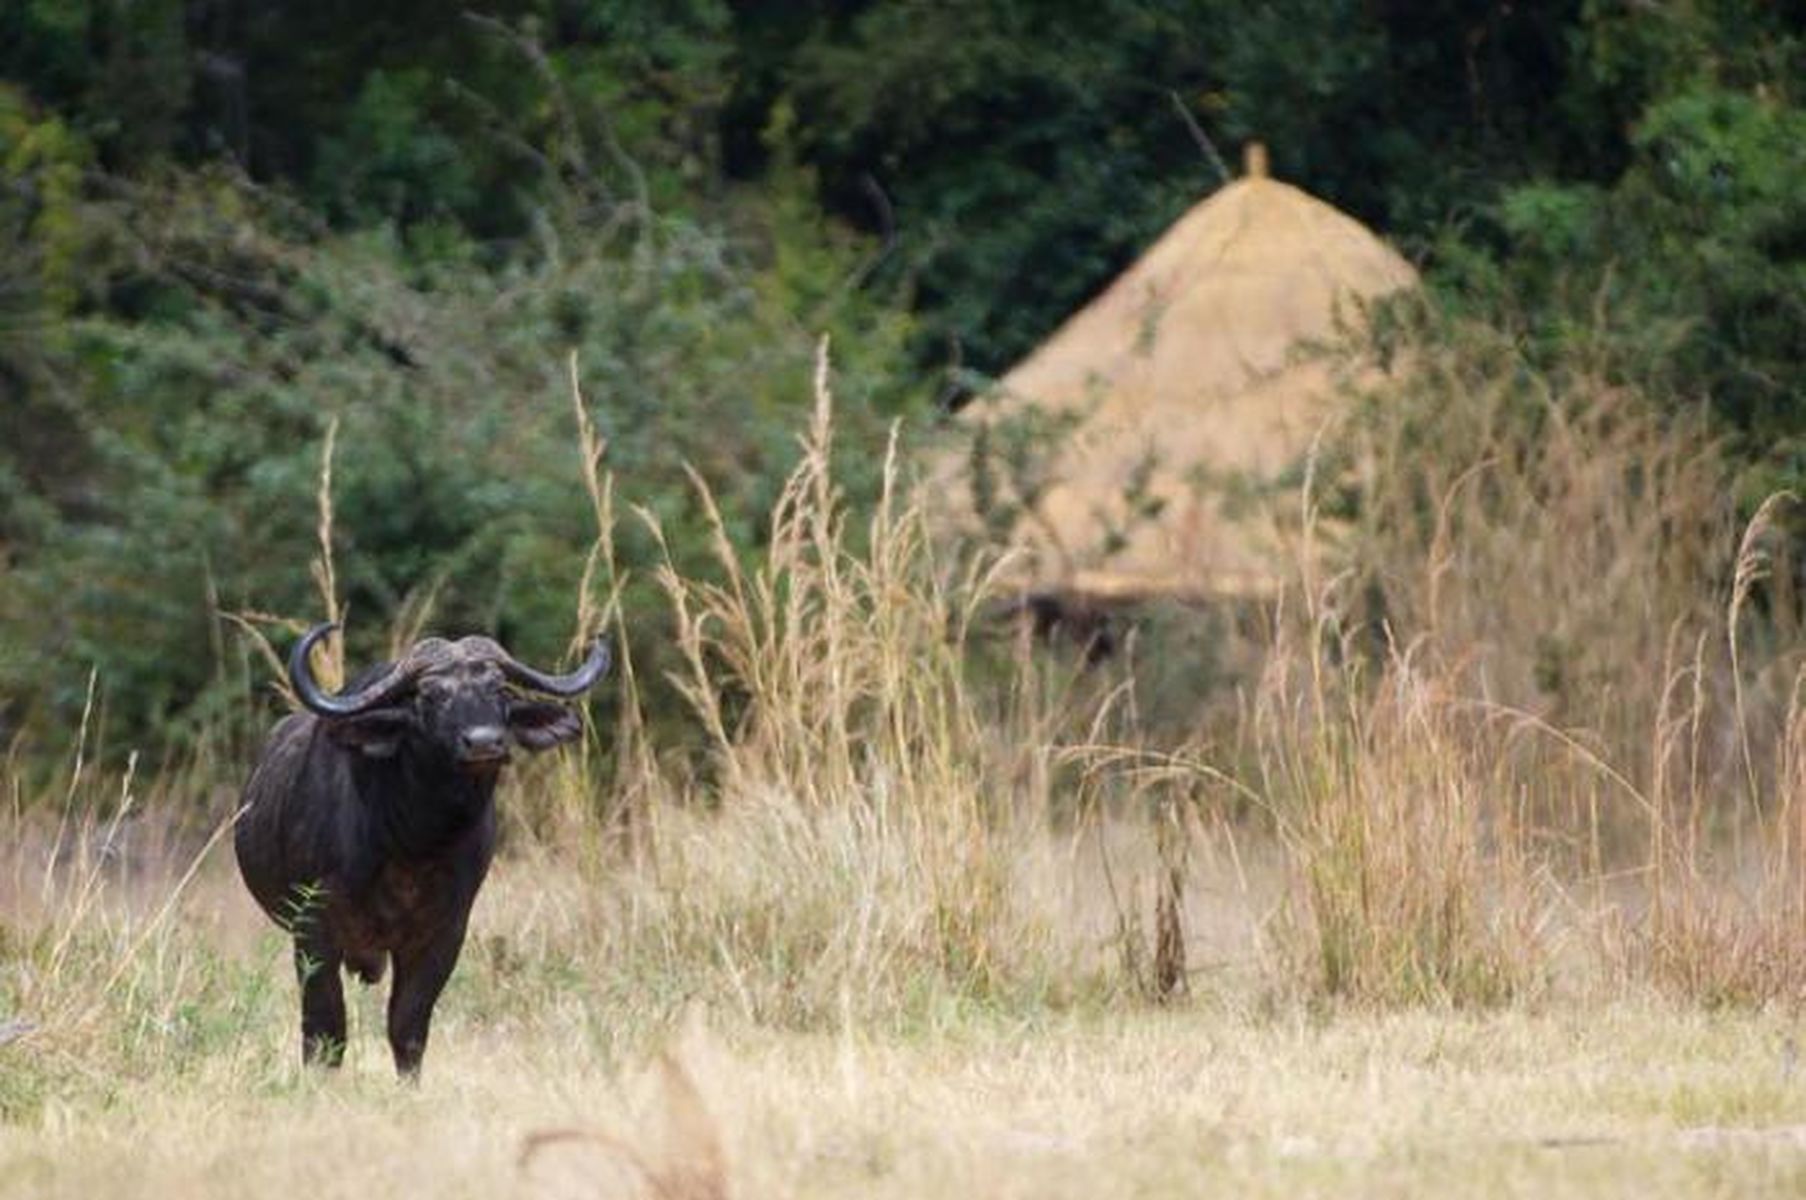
{"x": 369, "y": 820}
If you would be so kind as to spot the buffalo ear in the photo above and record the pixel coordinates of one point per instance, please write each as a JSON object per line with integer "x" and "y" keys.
{"x": 540, "y": 724}
{"x": 374, "y": 734}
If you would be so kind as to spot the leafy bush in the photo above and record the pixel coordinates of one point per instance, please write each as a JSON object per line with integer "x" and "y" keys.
{"x": 456, "y": 477}
{"x": 1689, "y": 274}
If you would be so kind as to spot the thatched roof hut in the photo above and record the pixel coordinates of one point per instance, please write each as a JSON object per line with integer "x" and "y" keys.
{"x": 1187, "y": 407}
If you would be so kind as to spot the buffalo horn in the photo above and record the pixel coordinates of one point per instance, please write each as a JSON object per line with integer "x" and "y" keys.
{"x": 575, "y": 683}
{"x": 301, "y": 677}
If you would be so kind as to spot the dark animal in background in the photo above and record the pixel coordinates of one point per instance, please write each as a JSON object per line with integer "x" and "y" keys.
{"x": 369, "y": 821}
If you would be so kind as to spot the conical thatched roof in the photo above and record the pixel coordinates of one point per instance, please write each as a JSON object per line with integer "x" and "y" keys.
{"x": 1189, "y": 406}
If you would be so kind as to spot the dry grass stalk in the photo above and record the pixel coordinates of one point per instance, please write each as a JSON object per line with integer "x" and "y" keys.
{"x": 1413, "y": 881}
{"x": 324, "y": 572}
{"x": 861, "y": 847}
{"x": 689, "y": 1162}
{"x": 325, "y": 575}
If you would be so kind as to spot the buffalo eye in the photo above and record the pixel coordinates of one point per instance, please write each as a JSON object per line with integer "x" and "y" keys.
{"x": 433, "y": 693}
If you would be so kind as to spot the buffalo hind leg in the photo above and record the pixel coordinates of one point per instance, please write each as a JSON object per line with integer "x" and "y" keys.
{"x": 322, "y": 1006}
{"x": 420, "y": 976}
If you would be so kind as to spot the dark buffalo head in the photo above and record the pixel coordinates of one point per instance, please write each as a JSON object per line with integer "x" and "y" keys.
{"x": 461, "y": 703}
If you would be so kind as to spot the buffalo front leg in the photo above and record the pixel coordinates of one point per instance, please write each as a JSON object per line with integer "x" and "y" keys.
{"x": 322, "y": 1006}
{"x": 420, "y": 976}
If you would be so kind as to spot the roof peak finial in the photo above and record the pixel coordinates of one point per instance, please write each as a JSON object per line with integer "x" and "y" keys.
{"x": 1254, "y": 160}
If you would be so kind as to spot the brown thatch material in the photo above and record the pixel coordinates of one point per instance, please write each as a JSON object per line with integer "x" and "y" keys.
{"x": 1189, "y": 398}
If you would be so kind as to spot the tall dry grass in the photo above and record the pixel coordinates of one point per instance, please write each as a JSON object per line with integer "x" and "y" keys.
{"x": 1528, "y": 701}
{"x": 861, "y": 836}
{"x": 1544, "y": 543}
{"x": 1726, "y": 855}
{"x": 1532, "y": 728}
{"x": 1414, "y": 877}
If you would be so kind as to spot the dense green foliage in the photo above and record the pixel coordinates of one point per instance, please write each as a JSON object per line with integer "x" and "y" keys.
{"x": 225, "y": 223}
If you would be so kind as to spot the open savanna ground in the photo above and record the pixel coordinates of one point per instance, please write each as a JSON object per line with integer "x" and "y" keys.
{"x": 565, "y": 1065}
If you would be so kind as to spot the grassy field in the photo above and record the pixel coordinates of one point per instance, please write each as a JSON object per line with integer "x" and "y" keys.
{"x": 1616, "y": 1100}
{"x": 1501, "y": 895}
{"x": 556, "y": 1072}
